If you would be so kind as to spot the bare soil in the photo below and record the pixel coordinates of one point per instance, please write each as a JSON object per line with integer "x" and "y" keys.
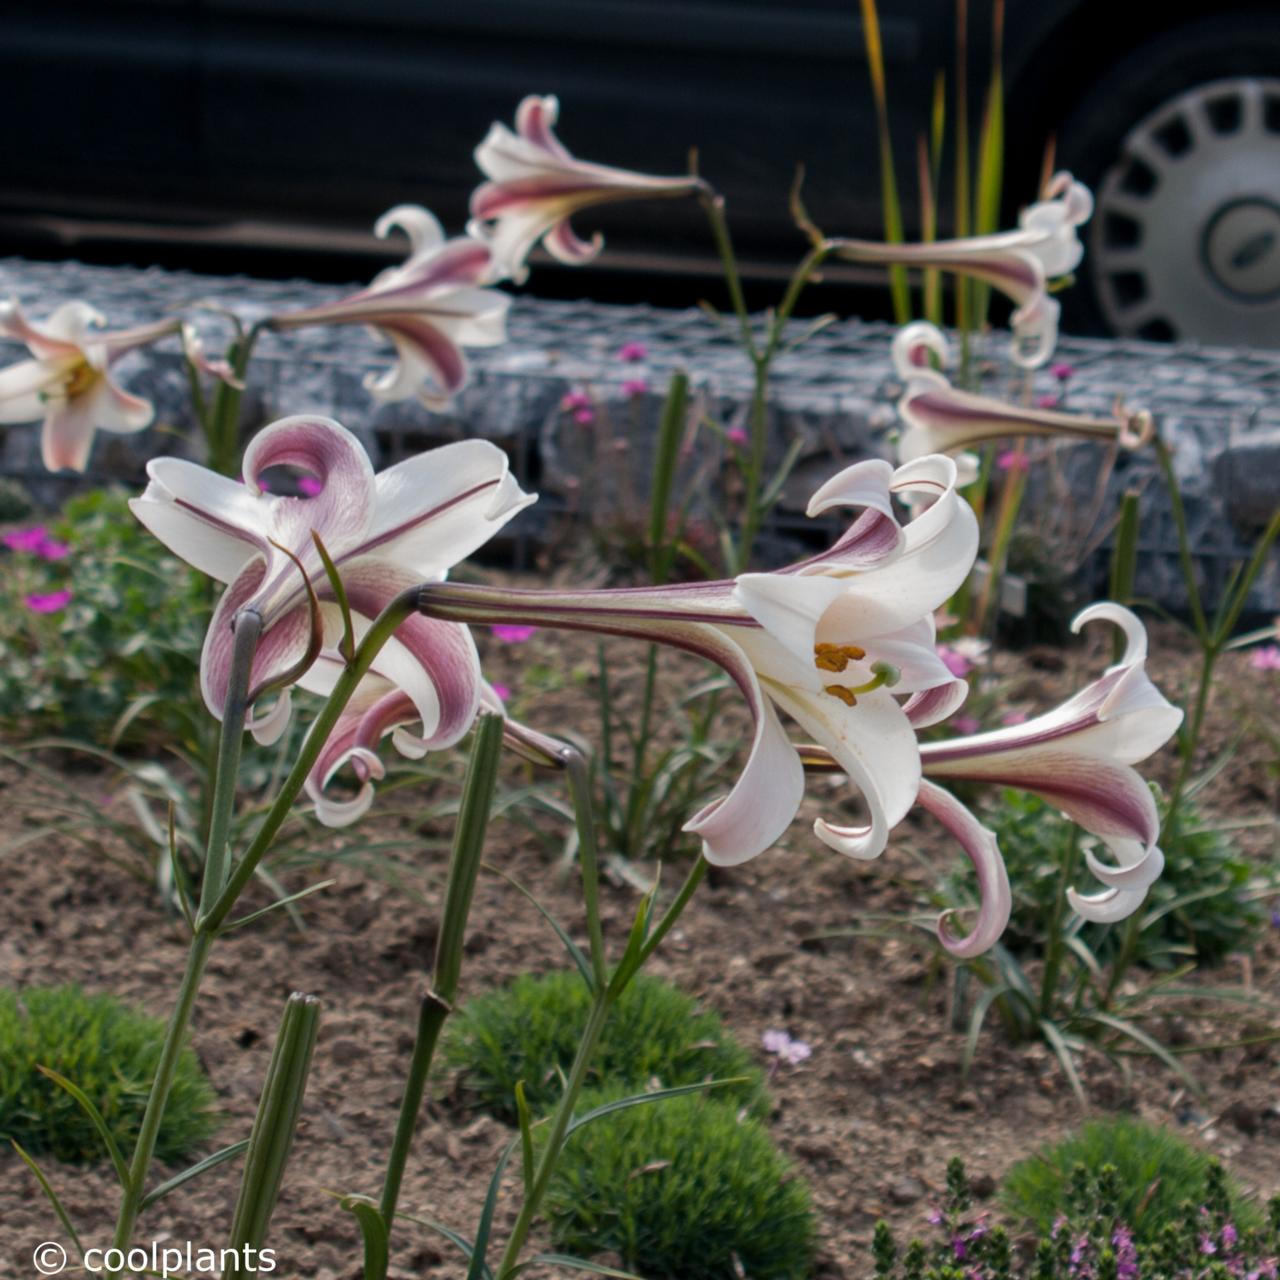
{"x": 870, "y": 1119}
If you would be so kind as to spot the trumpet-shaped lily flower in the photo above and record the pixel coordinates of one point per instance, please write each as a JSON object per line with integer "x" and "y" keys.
{"x": 1019, "y": 263}
{"x": 68, "y": 381}
{"x": 429, "y": 307}
{"x": 1080, "y": 757}
{"x": 385, "y": 533}
{"x": 535, "y": 185}
{"x": 833, "y": 641}
{"x": 941, "y": 419}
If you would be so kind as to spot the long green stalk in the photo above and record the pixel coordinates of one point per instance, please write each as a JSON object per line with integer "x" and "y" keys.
{"x": 437, "y": 1003}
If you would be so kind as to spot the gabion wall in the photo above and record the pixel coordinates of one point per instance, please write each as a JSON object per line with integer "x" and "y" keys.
{"x": 1219, "y": 408}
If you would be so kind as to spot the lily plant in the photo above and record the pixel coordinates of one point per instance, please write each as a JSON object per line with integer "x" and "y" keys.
{"x": 535, "y": 184}
{"x": 1021, "y": 264}
{"x": 68, "y": 380}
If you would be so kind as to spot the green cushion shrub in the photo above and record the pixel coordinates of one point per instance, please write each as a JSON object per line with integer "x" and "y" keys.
{"x": 688, "y": 1188}
{"x": 1157, "y": 1176}
{"x": 530, "y": 1030}
{"x": 109, "y": 1051}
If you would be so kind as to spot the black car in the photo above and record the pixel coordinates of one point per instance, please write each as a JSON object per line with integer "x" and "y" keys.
{"x": 286, "y": 123}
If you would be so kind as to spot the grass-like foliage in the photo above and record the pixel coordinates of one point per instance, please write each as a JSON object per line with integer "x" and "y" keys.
{"x": 529, "y": 1031}
{"x": 107, "y": 1050}
{"x": 1201, "y": 907}
{"x": 688, "y": 1188}
{"x": 130, "y": 629}
{"x": 1157, "y": 1175}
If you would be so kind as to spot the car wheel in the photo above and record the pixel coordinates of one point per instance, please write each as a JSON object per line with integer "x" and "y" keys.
{"x": 1185, "y": 238}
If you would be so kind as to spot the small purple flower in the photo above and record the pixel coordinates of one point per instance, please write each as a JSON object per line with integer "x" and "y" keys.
{"x": 934, "y": 1216}
{"x": 634, "y": 387}
{"x": 1063, "y": 372}
{"x": 310, "y": 486}
{"x": 1014, "y": 717}
{"x": 53, "y": 602}
{"x": 52, "y": 549}
{"x": 790, "y": 1051}
{"x": 1229, "y": 1236}
{"x": 1048, "y": 402}
{"x": 965, "y": 724}
{"x": 633, "y": 352}
{"x": 1013, "y": 460}
{"x": 736, "y": 436}
{"x": 954, "y": 661}
{"x": 575, "y": 399}
{"x": 512, "y": 633}
{"x": 502, "y": 691}
{"x": 584, "y": 417}
{"x": 1264, "y": 658}
{"x": 1207, "y": 1246}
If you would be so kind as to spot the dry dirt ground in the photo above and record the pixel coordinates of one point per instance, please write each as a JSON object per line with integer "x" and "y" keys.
{"x": 870, "y": 1119}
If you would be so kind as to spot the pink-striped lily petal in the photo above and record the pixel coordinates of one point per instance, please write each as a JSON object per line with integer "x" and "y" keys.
{"x": 69, "y": 382}
{"x": 534, "y": 185}
{"x": 994, "y": 896}
{"x": 1018, "y": 263}
{"x": 1079, "y": 757}
{"x": 385, "y": 534}
{"x": 429, "y": 308}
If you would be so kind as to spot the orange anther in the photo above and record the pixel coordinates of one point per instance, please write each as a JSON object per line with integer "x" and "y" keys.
{"x": 844, "y": 694}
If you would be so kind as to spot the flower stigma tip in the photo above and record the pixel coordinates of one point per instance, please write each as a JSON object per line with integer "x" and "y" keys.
{"x": 884, "y": 676}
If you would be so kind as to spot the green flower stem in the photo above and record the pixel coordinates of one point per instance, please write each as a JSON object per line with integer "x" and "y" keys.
{"x": 212, "y": 920}
{"x": 378, "y": 634}
{"x": 248, "y": 628}
{"x": 223, "y": 421}
{"x": 1056, "y": 946}
{"x": 600, "y": 1007}
{"x": 437, "y": 1003}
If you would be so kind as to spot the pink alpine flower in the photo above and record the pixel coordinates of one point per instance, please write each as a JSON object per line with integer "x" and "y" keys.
{"x": 633, "y": 352}
{"x": 510, "y": 633}
{"x": 1265, "y": 658}
{"x": 429, "y": 307}
{"x": 534, "y": 185}
{"x": 50, "y": 602}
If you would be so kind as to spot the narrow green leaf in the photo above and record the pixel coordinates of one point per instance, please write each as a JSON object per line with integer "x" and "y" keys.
{"x": 203, "y": 1166}
{"x": 464, "y": 1246}
{"x": 644, "y": 1099}
{"x": 579, "y": 1264}
{"x": 374, "y": 1233}
{"x": 95, "y": 1118}
{"x": 526, "y": 1136}
{"x": 1059, "y": 1046}
{"x": 576, "y": 953}
{"x": 285, "y": 902}
{"x": 179, "y": 878}
{"x": 347, "y": 645}
{"x": 1148, "y": 1042}
{"x": 47, "y": 1187}
{"x": 479, "y": 1269}
{"x": 981, "y": 1008}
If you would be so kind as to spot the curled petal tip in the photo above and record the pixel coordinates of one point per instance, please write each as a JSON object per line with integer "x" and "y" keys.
{"x": 268, "y": 729}
{"x": 914, "y": 344}
{"x": 1135, "y": 634}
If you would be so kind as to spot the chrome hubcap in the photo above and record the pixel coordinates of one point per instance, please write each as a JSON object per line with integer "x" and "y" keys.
{"x": 1185, "y": 242}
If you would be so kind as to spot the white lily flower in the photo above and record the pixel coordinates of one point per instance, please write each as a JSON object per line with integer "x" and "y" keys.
{"x": 942, "y": 419}
{"x": 535, "y": 185}
{"x": 386, "y": 533}
{"x": 1019, "y": 263}
{"x": 68, "y": 381}
{"x": 429, "y": 308}
{"x": 1080, "y": 757}
{"x": 833, "y": 641}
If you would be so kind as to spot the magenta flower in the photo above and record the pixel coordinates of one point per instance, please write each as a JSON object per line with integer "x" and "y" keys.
{"x": 1063, "y": 372}
{"x": 26, "y": 539}
{"x": 535, "y": 185}
{"x": 52, "y": 549}
{"x": 737, "y": 436}
{"x": 966, "y": 724}
{"x": 309, "y": 486}
{"x": 633, "y": 352}
{"x": 53, "y": 602}
{"x": 584, "y": 417}
{"x": 511, "y": 633}
{"x": 1047, "y": 402}
{"x": 635, "y": 387}
{"x": 1014, "y": 717}
{"x": 954, "y": 661}
{"x": 500, "y": 691}
{"x": 1012, "y": 460}
{"x": 1265, "y": 658}
{"x": 575, "y": 399}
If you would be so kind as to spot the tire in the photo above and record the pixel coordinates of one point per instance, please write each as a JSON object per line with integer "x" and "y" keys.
{"x": 1180, "y": 142}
